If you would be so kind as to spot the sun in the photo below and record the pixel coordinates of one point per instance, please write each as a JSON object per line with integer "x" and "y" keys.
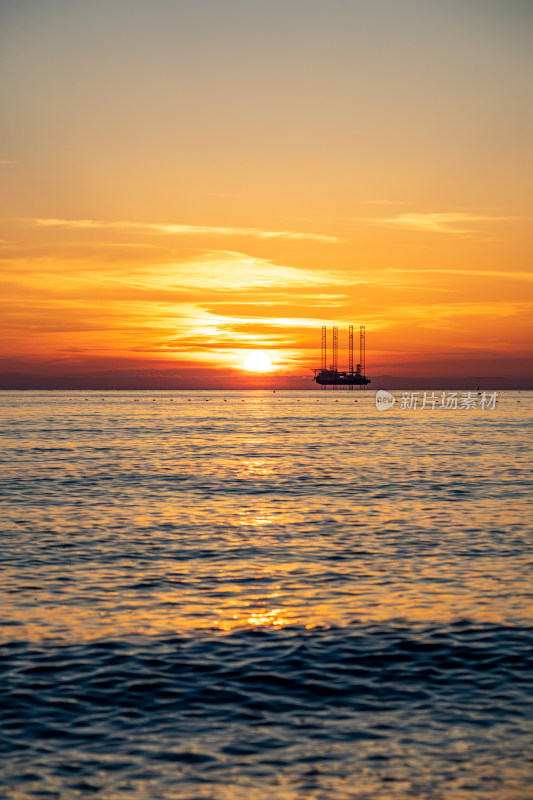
{"x": 257, "y": 361}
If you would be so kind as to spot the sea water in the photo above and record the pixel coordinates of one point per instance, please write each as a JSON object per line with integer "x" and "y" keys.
{"x": 257, "y": 595}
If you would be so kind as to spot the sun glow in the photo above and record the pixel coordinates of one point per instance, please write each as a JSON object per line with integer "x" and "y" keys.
{"x": 257, "y": 361}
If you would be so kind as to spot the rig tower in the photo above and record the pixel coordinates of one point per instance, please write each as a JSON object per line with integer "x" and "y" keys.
{"x": 335, "y": 348}
{"x": 362, "y": 349}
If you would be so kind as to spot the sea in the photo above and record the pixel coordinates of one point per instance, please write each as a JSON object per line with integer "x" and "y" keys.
{"x": 265, "y": 595}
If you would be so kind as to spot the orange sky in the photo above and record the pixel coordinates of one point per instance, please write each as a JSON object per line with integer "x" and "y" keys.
{"x": 185, "y": 182}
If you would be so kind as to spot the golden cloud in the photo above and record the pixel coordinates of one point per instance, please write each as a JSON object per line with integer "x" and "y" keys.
{"x": 182, "y": 230}
{"x": 441, "y": 222}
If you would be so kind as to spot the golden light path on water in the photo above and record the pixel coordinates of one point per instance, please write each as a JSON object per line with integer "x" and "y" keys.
{"x": 178, "y": 612}
{"x": 348, "y": 516}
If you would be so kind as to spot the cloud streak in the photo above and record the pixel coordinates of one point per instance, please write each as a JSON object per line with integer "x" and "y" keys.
{"x": 181, "y": 230}
{"x": 476, "y": 273}
{"x": 452, "y": 222}
{"x": 232, "y": 271}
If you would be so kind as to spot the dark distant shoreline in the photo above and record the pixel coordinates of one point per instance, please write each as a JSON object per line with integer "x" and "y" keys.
{"x": 483, "y": 384}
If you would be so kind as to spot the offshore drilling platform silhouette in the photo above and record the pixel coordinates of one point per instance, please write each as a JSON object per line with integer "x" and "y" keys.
{"x": 332, "y": 377}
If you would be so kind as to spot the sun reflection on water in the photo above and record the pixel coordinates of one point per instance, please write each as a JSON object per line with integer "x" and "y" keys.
{"x": 256, "y": 469}
{"x": 251, "y": 523}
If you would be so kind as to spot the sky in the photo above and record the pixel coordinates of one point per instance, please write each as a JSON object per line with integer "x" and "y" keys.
{"x": 186, "y": 182}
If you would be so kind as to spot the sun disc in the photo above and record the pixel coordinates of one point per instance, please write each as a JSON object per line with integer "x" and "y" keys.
{"x": 257, "y": 361}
